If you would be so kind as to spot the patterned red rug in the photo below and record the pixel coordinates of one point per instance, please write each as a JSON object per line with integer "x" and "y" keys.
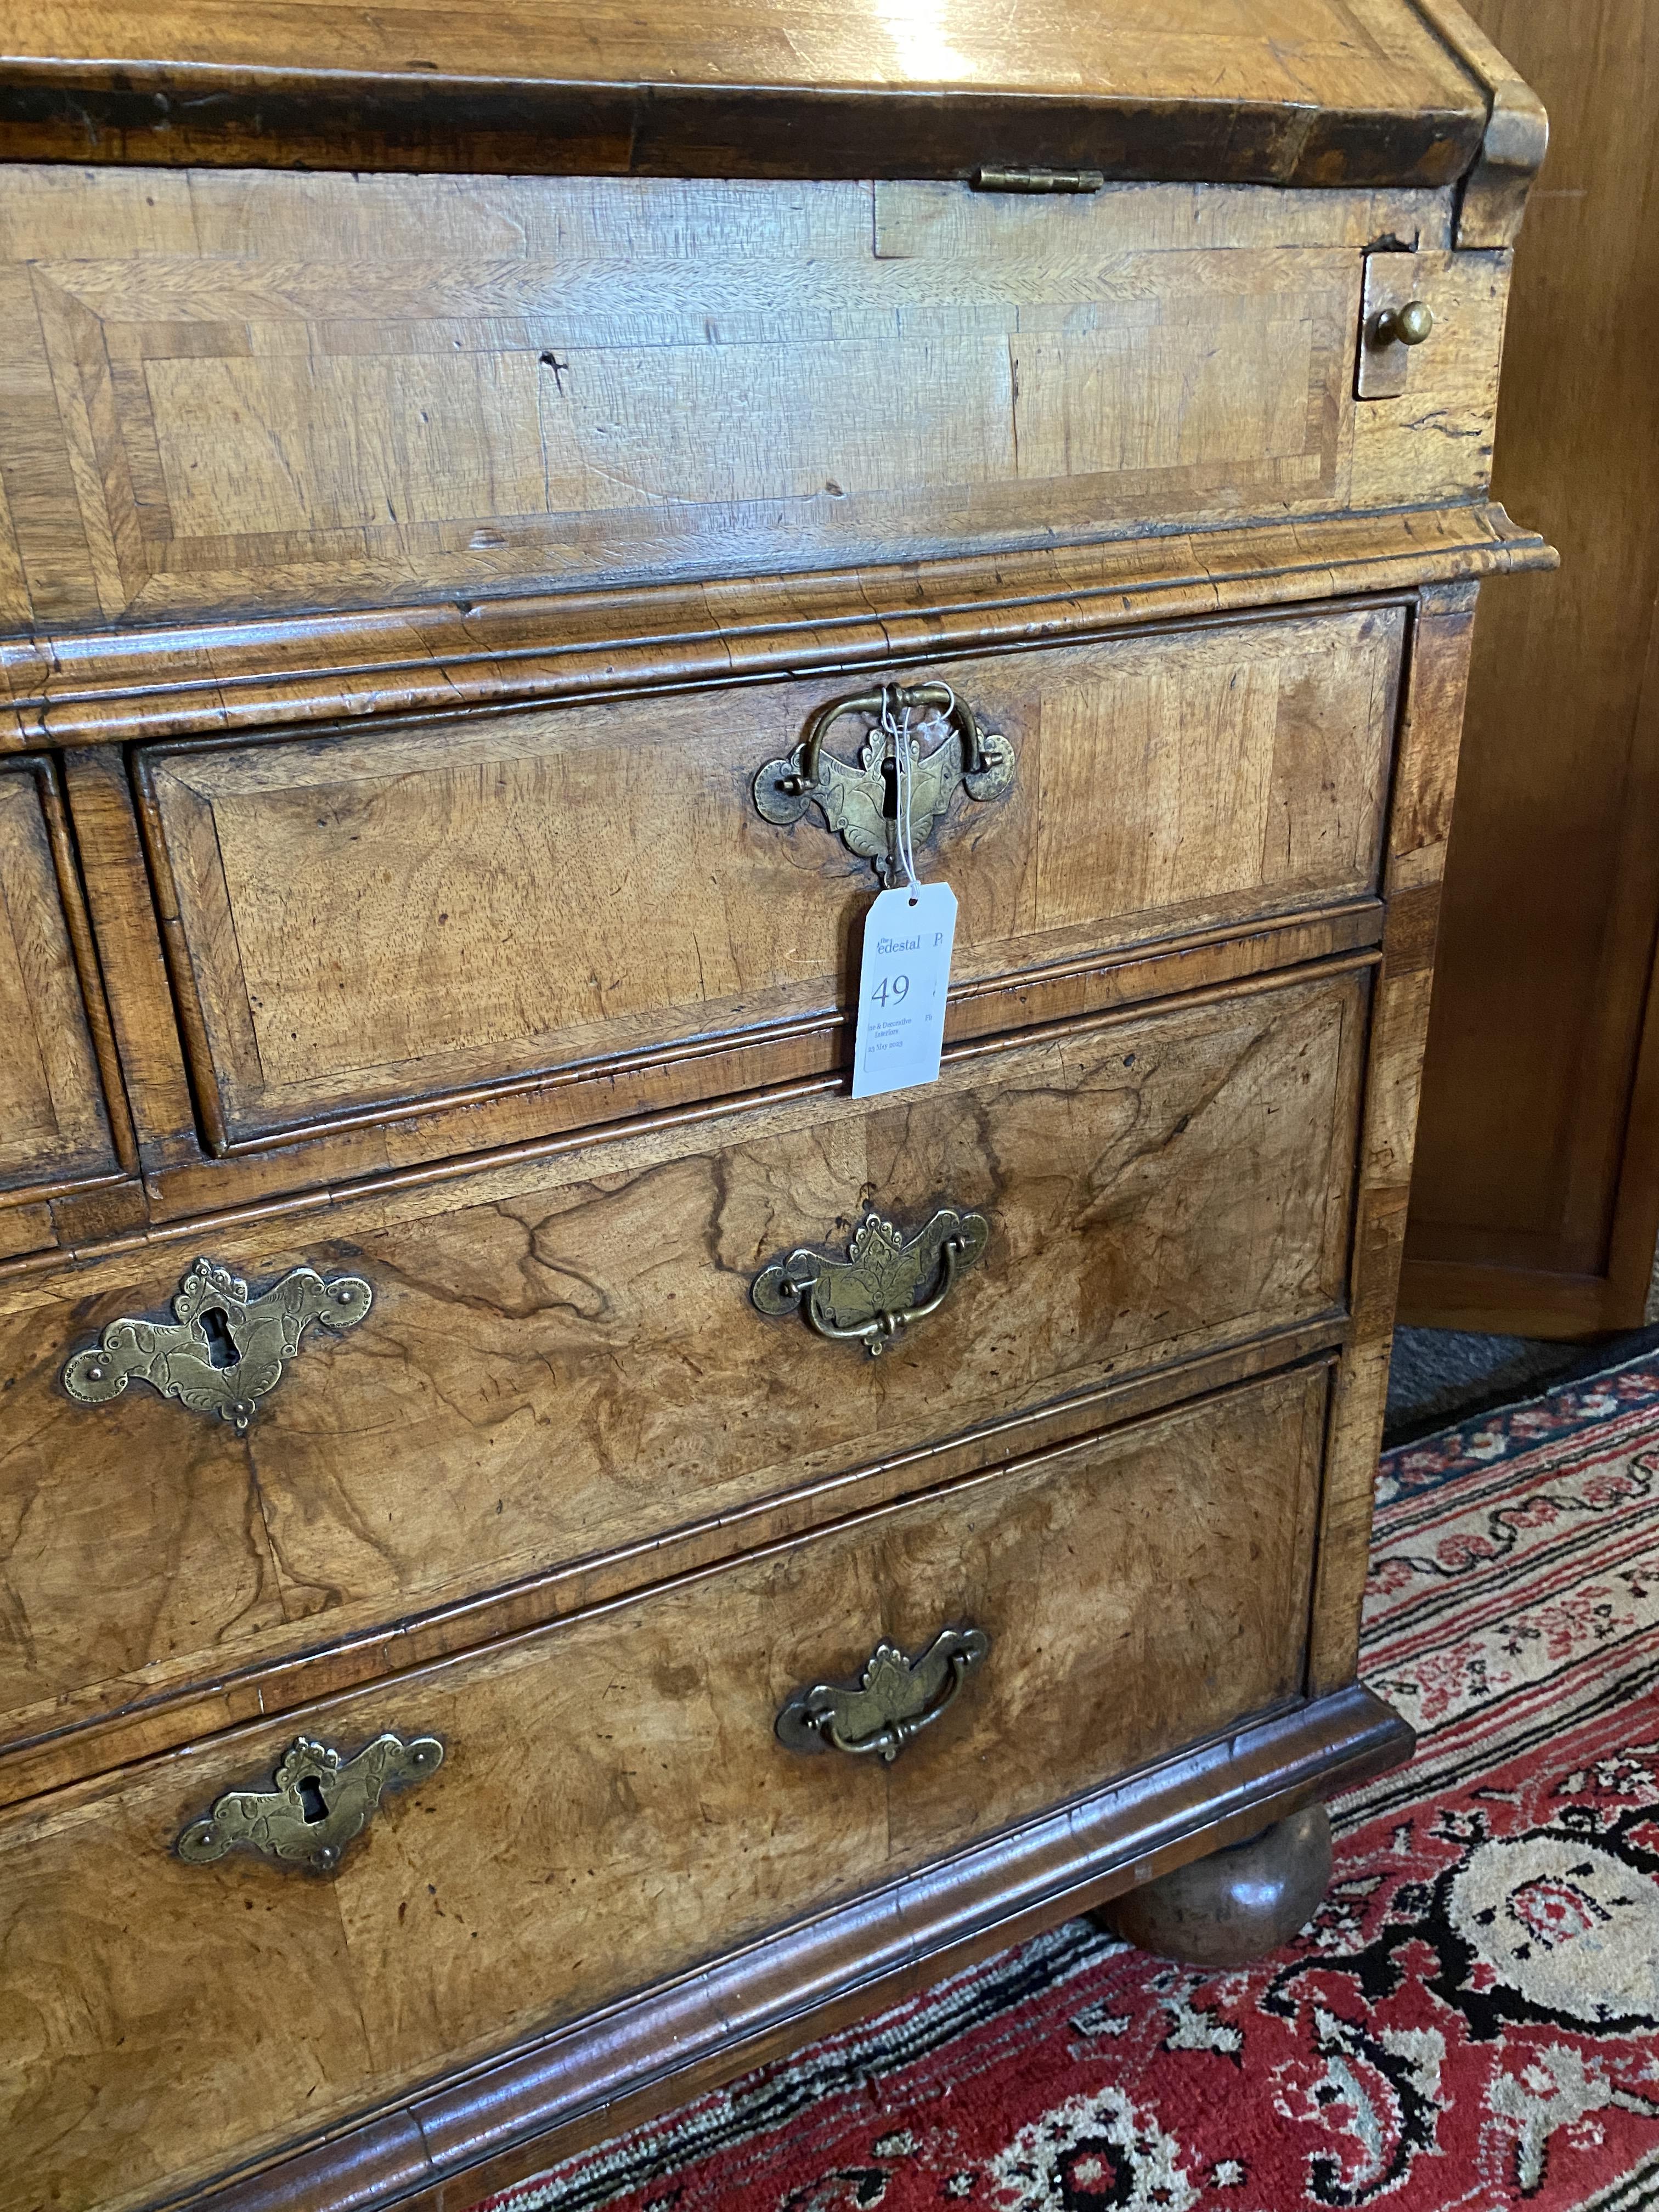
{"x": 1472, "y": 2019}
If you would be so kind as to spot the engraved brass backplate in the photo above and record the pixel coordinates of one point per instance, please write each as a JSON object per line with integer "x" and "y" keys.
{"x": 320, "y": 1800}
{"x": 884, "y": 1285}
{"x": 948, "y": 752}
{"x": 892, "y": 1701}
{"x": 213, "y": 1315}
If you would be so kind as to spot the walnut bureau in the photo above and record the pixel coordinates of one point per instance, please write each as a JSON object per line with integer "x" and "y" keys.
{"x": 485, "y": 1650}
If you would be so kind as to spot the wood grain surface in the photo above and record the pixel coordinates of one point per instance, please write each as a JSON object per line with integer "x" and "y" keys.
{"x": 562, "y": 1359}
{"x": 1316, "y": 92}
{"x": 92, "y": 1732}
{"x": 433, "y": 910}
{"x": 55, "y": 1123}
{"x": 245, "y": 394}
{"x": 613, "y": 1805}
{"x": 1434, "y": 442}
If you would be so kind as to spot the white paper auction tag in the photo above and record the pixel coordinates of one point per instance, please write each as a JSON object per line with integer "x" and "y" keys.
{"x": 902, "y": 980}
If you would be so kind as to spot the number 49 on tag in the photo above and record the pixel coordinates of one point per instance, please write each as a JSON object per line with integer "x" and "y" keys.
{"x": 904, "y": 980}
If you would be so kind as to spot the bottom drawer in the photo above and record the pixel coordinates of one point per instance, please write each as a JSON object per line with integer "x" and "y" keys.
{"x": 614, "y": 1802}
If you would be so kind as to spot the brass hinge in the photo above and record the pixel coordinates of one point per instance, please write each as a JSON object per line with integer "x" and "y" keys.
{"x": 1037, "y": 180}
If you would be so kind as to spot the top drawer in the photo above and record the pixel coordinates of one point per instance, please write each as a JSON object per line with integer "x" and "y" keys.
{"x": 248, "y": 394}
{"x": 363, "y": 922}
{"x": 55, "y": 1123}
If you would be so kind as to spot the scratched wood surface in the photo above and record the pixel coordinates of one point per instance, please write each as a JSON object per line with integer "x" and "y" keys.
{"x": 54, "y": 1122}
{"x": 613, "y": 1805}
{"x": 237, "y": 392}
{"x": 423, "y": 912}
{"x": 562, "y": 1359}
{"x": 1316, "y": 92}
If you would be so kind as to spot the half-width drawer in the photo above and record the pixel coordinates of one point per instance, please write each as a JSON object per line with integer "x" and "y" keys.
{"x": 361, "y": 923}
{"x": 564, "y": 1356}
{"x": 55, "y": 1123}
{"x": 613, "y": 1803}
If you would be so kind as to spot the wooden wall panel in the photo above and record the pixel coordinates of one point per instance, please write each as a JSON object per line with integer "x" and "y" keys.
{"x": 1536, "y": 1203}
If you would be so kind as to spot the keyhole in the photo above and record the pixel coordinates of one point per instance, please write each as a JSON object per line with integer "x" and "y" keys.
{"x": 221, "y": 1344}
{"x": 312, "y": 1802}
{"x": 890, "y": 790}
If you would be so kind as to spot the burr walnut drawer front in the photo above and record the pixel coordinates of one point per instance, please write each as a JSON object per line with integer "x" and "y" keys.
{"x": 564, "y": 1358}
{"x": 599, "y": 1806}
{"x": 617, "y": 892}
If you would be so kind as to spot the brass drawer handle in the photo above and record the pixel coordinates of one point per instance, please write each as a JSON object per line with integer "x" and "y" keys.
{"x": 858, "y": 801}
{"x": 892, "y": 1702}
{"x": 213, "y": 1315}
{"x": 878, "y": 1290}
{"x": 320, "y": 1802}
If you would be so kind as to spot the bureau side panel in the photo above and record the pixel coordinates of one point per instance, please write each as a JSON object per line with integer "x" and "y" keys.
{"x": 1419, "y": 825}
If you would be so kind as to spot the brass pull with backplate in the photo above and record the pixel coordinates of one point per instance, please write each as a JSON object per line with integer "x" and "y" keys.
{"x": 884, "y": 1285}
{"x": 948, "y": 752}
{"x": 892, "y": 1701}
{"x": 320, "y": 1801}
{"x": 222, "y": 1351}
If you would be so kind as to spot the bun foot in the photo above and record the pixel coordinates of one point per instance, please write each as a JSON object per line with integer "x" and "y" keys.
{"x": 1235, "y": 1905}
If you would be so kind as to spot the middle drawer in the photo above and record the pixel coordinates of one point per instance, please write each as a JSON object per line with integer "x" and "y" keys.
{"x": 563, "y": 1356}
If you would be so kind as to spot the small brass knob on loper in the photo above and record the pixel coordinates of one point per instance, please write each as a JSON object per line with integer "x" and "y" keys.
{"x": 1408, "y": 326}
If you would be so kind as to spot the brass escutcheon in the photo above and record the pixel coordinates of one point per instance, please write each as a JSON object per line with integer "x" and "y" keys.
{"x": 882, "y": 1286}
{"x": 892, "y": 1702}
{"x": 949, "y": 752}
{"x": 212, "y": 1313}
{"x": 320, "y": 1800}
